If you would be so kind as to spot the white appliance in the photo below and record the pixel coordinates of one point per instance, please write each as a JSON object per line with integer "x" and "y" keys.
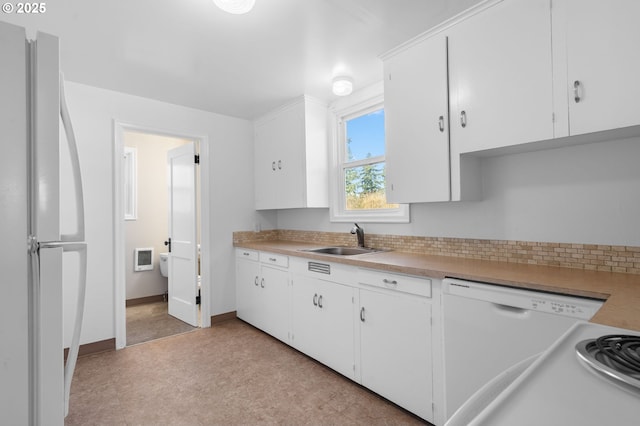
{"x": 561, "y": 388}
{"x": 490, "y": 328}
{"x": 34, "y": 382}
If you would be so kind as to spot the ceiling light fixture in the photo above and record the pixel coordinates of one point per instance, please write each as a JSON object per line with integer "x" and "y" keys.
{"x": 342, "y": 86}
{"x": 237, "y": 7}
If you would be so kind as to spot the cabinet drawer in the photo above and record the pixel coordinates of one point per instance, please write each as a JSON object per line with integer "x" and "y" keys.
{"x": 397, "y": 282}
{"x": 247, "y": 254}
{"x": 274, "y": 259}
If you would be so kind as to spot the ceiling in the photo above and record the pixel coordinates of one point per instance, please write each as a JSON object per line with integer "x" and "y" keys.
{"x": 188, "y": 52}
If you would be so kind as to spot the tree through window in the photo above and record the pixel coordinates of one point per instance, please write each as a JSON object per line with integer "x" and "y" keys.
{"x": 364, "y": 166}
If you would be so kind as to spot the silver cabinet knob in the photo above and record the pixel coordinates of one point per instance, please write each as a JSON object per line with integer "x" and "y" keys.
{"x": 463, "y": 118}
{"x": 577, "y": 91}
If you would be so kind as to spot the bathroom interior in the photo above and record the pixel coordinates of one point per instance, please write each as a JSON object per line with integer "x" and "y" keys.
{"x": 146, "y": 230}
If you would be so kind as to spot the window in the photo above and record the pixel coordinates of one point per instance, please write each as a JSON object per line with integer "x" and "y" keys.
{"x": 358, "y": 193}
{"x": 130, "y": 183}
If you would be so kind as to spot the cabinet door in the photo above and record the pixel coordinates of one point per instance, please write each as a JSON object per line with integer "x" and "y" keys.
{"x": 265, "y": 165}
{"x": 247, "y": 290}
{"x": 395, "y": 339}
{"x": 603, "y": 64}
{"x": 274, "y": 302}
{"x": 322, "y": 322}
{"x": 417, "y": 123}
{"x": 290, "y": 161}
{"x": 501, "y": 77}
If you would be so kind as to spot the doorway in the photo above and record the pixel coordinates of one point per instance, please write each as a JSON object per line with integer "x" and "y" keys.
{"x": 142, "y": 218}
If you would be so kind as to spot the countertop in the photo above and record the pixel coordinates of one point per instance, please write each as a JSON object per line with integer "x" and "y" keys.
{"x": 620, "y": 291}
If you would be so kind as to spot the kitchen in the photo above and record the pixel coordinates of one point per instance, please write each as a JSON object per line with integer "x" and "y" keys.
{"x": 583, "y": 194}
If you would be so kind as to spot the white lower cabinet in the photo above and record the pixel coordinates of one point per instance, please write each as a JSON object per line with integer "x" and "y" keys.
{"x": 394, "y": 320}
{"x": 395, "y": 349}
{"x": 247, "y": 282}
{"x": 372, "y": 327}
{"x": 322, "y": 322}
{"x": 262, "y": 292}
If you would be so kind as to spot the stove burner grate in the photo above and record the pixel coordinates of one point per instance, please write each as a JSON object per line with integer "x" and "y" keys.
{"x": 616, "y": 355}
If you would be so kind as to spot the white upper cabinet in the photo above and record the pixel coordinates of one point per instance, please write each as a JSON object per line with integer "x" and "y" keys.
{"x": 500, "y": 71}
{"x": 417, "y": 123}
{"x": 597, "y": 44}
{"x": 291, "y": 168}
{"x": 479, "y": 82}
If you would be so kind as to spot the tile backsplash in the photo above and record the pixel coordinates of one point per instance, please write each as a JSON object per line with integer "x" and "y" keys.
{"x": 625, "y": 259}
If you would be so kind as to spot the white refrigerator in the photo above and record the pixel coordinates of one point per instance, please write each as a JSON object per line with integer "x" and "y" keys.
{"x": 34, "y": 380}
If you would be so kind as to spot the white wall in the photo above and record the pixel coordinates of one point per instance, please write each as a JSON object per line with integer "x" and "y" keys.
{"x": 93, "y": 112}
{"x": 579, "y": 194}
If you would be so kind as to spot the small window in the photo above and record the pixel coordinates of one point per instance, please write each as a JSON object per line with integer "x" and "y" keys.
{"x": 130, "y": 184}
{"x": 359, "y": 165}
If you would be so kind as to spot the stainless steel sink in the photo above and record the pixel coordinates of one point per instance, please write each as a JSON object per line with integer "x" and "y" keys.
{"x": 343, "y": 251}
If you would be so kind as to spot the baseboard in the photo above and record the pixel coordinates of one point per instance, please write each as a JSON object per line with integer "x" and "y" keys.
{"x": 145, "y": 300}
{"x": 216, "y": 319}
{"x": 93, "y": 348}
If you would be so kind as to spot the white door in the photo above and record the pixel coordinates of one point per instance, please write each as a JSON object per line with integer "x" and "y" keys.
{"x": 395, "y": 349}
{"x": 500, "y": 77}
{"x": 417, "y": 124}
{"x": 183, "y": 246}
{"x": 323, "y": 322}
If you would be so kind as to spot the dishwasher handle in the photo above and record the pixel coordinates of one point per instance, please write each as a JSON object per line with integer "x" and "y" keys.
{"x": 510, "y": 311}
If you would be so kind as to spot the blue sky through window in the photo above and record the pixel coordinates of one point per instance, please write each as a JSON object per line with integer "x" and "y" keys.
{"x": 367, "y": 135}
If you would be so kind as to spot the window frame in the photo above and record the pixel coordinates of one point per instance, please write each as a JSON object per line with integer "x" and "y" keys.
{"x": 342, "y": 111}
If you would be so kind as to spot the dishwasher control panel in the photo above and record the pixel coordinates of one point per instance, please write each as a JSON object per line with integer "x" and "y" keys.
{"x": 572, "y": 308}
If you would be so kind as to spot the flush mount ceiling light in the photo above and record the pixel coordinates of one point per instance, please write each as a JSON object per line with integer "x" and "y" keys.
{"x": 237, "y": 7}
{"x": 342, "y": 86}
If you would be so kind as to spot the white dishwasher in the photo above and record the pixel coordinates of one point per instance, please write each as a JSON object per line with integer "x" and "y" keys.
{"x": 489, "y": 328}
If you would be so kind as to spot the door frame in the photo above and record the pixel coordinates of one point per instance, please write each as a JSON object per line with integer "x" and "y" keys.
{"x": 119, "y": 128}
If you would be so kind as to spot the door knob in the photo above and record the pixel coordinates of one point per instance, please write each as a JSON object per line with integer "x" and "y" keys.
{"x": 168, "y": 244}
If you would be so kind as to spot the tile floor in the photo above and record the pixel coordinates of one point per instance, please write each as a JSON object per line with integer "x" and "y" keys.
{"x": 151, "y": 321}
{"x": 230, "y": 374}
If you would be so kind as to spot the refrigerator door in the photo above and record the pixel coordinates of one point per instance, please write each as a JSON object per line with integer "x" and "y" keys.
{"x": 50, "y": 393}
{"x": 45, "y": 128}
{"x": 14, "y": 281}
{"x": 47, "y": 319}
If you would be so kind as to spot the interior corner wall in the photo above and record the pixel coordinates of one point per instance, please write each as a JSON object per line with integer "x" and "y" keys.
{"x": 93, "y": 112}
{"x": 586, "y": 194}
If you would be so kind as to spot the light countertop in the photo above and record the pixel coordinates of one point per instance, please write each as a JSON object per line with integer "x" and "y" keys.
{"x": 621, "y": 291}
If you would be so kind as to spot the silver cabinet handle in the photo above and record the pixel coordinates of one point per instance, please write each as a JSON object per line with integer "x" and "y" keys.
{"x": 463, "y": 118}
{"x": 273, "y": 166}
{"x": 576, "y": 91}
{"x": 320, "y": 301}
{"x": 315, "y": 299}
{"x": 441, "y": 123}
{"x": 262, "y": 283}
{"x": 273, "y": 259}
{"x": 390, "y": 282}
{"x": 256, "y": 281}
{"x": 362, "y": 314}
{"x": 279, "y": 164}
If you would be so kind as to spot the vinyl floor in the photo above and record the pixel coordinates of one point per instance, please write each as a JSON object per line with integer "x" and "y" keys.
{"x": 230, "y": 374}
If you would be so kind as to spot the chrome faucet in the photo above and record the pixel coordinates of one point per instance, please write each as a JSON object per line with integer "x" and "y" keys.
{"x": 359, "y": 233}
